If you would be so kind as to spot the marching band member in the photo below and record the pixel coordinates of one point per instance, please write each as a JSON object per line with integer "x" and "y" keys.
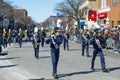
{"x": 97, "y": 50}
{"x": 55, "y": 40}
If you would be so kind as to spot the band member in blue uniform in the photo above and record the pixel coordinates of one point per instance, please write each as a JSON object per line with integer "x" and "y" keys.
{"x": 85, "y": 43}
{"x": 42, "y": 38}
{"x": 1, "y": 42}
{"x": 36, "y": 42}
{"x": 9, "y": 38}
{"x": 20, "y": 39}
{"x": 0, "y": 48}
{"x": 95, "y": 41}
{"x": 5, "y": 39}
{"x": 55, "y": 40}
{"x": 66, "y": 41}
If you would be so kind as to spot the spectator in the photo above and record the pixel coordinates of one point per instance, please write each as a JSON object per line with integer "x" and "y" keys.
{"x": 114, "y": 37}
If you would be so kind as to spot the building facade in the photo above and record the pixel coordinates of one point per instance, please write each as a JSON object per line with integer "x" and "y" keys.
{"x": 20, "y": 15}
{"x": 114, "y": 14}
{"x": 92, "y": 7}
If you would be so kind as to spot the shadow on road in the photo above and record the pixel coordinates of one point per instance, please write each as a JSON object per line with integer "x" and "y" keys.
{"x": 44, "y": 57}
{"x": 37, "y": 79}
{"x": 114, "y": 68}
{"x": 46, "y": 79}
{"x": 8, "y": 66}
{"x": 75, "y": 73}
{"x": 4, "y": 53}
{"x": 9, "y": 58}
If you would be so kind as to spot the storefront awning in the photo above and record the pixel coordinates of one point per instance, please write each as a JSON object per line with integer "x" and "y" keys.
{"x": 106, "y": 9}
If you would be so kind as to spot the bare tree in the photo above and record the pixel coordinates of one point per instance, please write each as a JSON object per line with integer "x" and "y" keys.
{"x": 7, "y": 9}
{"x": 72, "y": 9}
{"x": 28, "y": 21}
{"x": 11, "y": 3}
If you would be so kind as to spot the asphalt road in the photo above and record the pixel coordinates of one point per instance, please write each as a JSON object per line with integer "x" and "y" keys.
{"x": 20, "y": 64}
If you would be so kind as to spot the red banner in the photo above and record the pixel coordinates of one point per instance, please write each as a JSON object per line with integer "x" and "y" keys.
{"x": 92, "y": 15}
{"x": 102, "y": 15}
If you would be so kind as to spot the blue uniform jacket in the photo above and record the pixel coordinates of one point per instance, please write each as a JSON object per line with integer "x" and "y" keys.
{"x": 1, "y": 40}
{"x": 82, "y": 39}
{"x": 65, "y": 38}
{"x": 95, "y": 45}
{"x": 57, "y": 39}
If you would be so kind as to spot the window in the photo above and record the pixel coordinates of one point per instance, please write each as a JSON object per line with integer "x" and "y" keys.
{"x": 115, "y": 2}
{"x": 112, "y": 24}
{"x": 118, "y": 23}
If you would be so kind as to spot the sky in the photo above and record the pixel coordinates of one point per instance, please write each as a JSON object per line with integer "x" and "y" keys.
{"x": 39, "y": 10}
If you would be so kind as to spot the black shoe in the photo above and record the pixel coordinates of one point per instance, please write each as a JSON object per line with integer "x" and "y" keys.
{"x": 37, "y": 57}
{"x": 88, "y": 55}
{"x": 82, "y": 54}
{"x": 67, "y": 49}
{"x": 55, "y": 76}
{"x": 92, "y": 69}
{"x": 105, "y": 70}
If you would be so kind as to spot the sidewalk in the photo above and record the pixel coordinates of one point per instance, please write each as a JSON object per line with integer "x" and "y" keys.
{"x": 90, "y": 46}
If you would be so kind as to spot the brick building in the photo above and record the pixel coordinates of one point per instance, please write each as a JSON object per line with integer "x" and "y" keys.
{"x": 114, "y": 13}
{"x": 20, "y": 15}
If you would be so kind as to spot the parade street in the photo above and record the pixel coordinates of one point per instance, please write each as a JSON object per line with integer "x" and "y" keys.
{"x": 20, "y": 64}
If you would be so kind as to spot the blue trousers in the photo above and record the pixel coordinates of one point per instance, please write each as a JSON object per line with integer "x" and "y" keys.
{"x": 66, "y": 45}
{"x": 55, "y": 59}
{"x": 42, "y": 41}
{"x": 9, "y": 41}
{"x": 85, "y": 46}
{"x": 0, "y": 48}
{"x": 4, "y": 43}
{"x": 102, "y": 59}
{"x": 20, "y": 43}
{"x": 36, "y": 52}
